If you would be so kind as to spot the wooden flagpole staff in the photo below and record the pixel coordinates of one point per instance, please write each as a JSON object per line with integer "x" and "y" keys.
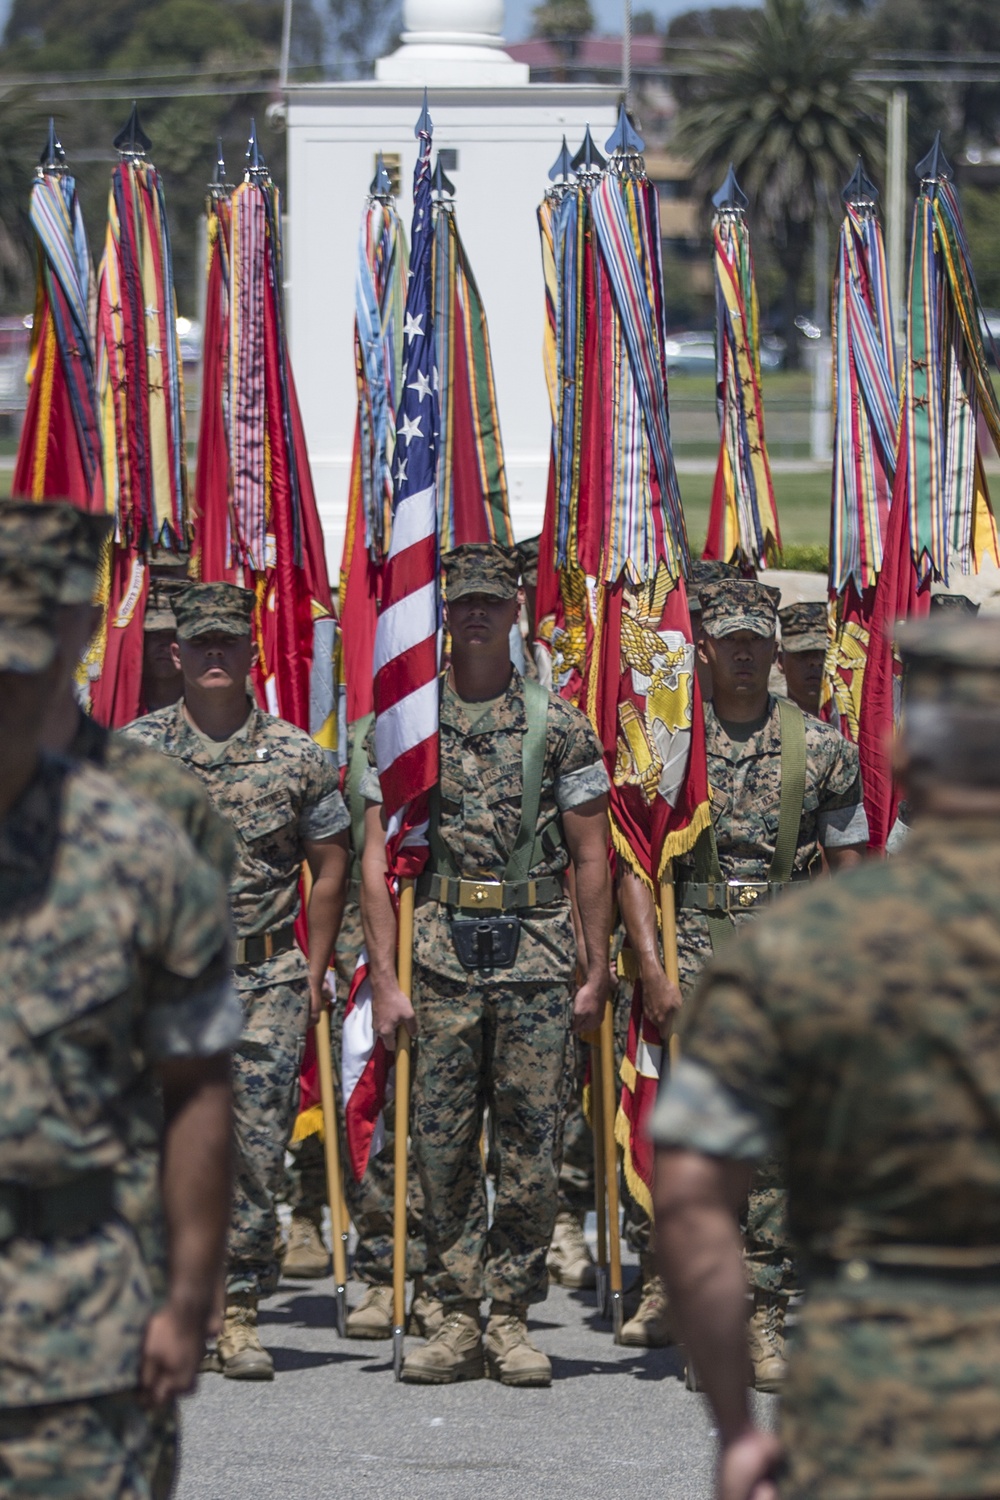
{"x": 331, "y": 1146}
{"x": 600, "y": 1198}
{"x": 334, "y": 1179}
{"x": 608, "y": 1111}
{"x": 404, "y": 966}
{"x": 668, "y": 929}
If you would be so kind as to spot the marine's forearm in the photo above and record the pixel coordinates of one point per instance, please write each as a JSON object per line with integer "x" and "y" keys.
{"x": 698, "y": 1245}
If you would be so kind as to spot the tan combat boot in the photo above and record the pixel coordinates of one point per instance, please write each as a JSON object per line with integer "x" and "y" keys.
{"x": 426, "y": 1312}
{"x": 569, "y": 1260}
{"x": 766, "y": 1340}
{"x": 240, "y": 1352}
{"x": 454, "y": 1353}
{"x": 306, "y": 1256}
{"x": 649, "y": 1327}
{"x": 511, "y": 1357}
{"x": 372, "y": 1318}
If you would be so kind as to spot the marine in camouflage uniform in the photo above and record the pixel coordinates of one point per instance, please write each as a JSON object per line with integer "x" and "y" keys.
{"x": 114, "y": 944}
{"x": 745, "y": 773}
{"x": 857, "y": 1029}
{"x": 162, "y": 679}
{"x": 370, "y": 1201}
{"x": 76, "y": 539}
{"x": 279, "y": 793}
{"x": 804, "y": 637}
{"x": 487, "y": 1034}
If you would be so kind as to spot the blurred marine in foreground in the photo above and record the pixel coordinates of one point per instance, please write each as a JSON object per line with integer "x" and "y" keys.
{"x": 113, "y": 976}
{"x": 857, "y": 1030}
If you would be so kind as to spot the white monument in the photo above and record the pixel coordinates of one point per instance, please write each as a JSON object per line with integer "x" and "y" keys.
{"x": 506, "y": 133}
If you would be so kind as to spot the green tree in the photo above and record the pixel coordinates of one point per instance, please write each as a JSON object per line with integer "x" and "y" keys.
{"x": 981, "y": 212}
{"x": 563, "y": 22}
{"x": 200, "y": 69}
{"x": 783, "y": 103}
{"x": 965, "y": 111}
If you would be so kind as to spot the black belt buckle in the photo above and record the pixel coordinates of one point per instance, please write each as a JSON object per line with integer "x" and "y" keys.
{"x": 485, "y": 943}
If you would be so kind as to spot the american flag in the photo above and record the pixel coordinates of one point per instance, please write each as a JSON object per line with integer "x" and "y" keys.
{"x": 406, "y": 658}
{"x": 406, "y": 639}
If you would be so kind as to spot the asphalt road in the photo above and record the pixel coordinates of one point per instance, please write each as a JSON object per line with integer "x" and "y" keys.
{"x": 616, "y": 1424}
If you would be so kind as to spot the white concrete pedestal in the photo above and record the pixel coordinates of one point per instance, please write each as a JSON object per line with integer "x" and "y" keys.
{"x": 507, "y": 134}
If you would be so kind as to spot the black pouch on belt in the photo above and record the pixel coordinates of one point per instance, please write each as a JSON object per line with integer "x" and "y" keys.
{"x": 485, "y": 943}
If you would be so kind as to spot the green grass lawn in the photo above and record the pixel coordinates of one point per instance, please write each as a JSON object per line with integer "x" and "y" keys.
{"x": 803, "y": 507}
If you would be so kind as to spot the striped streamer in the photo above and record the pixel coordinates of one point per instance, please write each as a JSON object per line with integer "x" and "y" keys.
{"x": 866, "y": 403}
{"x": 380, "y": 294}
{"x": 250, "y": 459}
{"x": 744, "y": 524}
{"x": 59, "y": 452}
{"x": 140, "y": 391}
{"x": 947, "y": 386}
{"x": 625, "y": 217}
{"x": 568, "y": 225}
{"x": 471, "y": 478}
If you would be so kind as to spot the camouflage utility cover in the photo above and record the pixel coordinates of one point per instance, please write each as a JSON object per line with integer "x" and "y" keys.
{"x": 481, "y": 568}
{"x": 804, "y": 626}
{"x": 114, "y": 955}
{"x": 480, "y": 813}
{"x": 59, "y": 535}
{"x": 212, "y": 609}
{"x": 274, "y": 786}
{"x": 732, "y": 604}
{"x": 857, "y": 1026}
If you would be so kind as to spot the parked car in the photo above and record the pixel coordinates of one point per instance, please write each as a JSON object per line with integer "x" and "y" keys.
{"x": 15, "y": 344}
{"x": 693, "y": 353}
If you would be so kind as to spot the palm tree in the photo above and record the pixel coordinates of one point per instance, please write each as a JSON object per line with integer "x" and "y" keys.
{"x": 784, "y": 104}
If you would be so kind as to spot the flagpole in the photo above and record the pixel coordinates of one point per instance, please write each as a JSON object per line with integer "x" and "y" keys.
{"x": 402, "y": 1126}
{"x": 331, "y": 1153}
{"x": 611, "y": 1167}
{"x": 600, "y": 1197}
{"x": 668, "y": 933}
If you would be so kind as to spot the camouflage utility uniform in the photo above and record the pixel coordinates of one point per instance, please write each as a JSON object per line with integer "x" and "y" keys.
{"x": 500, "y": 1037}
{"x": 277, "y": 789}
{"x": 113, "y": 937}
{"x": 857, "y": 1027}
{"x": 744, "y": 775}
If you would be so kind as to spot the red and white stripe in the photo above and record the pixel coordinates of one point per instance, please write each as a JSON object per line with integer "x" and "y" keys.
{"x": 364, "y": 1074}
{"x": 406, "y": 657}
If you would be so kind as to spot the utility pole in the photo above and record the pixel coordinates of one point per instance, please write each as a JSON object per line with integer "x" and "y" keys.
{"x": 286, "y": 46}
{"x": 822, "y": 350}
{"x": 895, "y": 207}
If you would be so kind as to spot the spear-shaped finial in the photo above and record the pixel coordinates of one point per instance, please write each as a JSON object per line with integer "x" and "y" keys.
{"x": 381, "y": 185}
{"x": 625, "y": 140}
{"x": 219, "y": 178}
{"x": 730, "y": 197}
{"x": 935, "y": 166}
{"x": 425, "y": 125}
{"x": 53, "y": 157}
{"x": 588, "y": 158}
{"x": 256, "y": 165}
{"x": 860, "y": 191}
{"x": 562, "y": 168}
{"x": 132, "y": 140}
{"x": 440, "y": 184}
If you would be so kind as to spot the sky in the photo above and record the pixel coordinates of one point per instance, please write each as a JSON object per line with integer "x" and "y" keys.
{"x": 608, "y": 14}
